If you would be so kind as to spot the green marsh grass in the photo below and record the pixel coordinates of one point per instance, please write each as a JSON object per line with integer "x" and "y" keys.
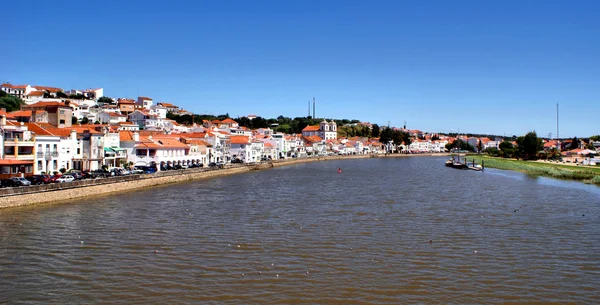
{"x": 546, "y": 169}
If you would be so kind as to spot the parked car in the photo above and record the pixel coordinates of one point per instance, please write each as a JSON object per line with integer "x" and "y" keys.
{"x": 76, "y": 174}
{"x": 117, "y": 171}
{"x": 8, "y": 183}
{"x": 54, "y": 177}
{"x": 237, "y": 161}
{"x": 86, "y": 175}
{"x": 20, "y": 181}
{"x": 37, "y": 179}
{"x": 144, "y": 170}
{"x": 65, "y": 178}
{"x": 98, "y": 173}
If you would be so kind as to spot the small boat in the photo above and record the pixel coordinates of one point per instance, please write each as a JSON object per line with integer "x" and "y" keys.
{"x": 456, "y": 164}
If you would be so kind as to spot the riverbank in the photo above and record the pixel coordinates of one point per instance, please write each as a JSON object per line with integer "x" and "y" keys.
{"x": 76, "y": 190}
{"x": 586, "y": 174}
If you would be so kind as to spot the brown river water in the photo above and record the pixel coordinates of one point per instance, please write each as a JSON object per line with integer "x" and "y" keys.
{"x": 384, "y": 231}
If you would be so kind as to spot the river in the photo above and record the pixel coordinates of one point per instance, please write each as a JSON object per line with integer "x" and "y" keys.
{"x": 383, "y": 231}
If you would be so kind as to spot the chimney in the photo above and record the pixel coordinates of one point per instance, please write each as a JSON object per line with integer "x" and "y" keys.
{"x": 73, "y": 135}
{"x": 3, "y": 120}
{"x": 136, "y": 136}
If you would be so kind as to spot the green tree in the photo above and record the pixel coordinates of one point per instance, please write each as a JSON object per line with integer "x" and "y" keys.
{"x": 73, "y": 120}
{"x": 504, "y": 145}
{"x": 529, "y": 145}
{"x": 9, "y": 102}
{"x": 406, "y": 139}
{"x": 493, "y": 151}
{"x": 574, "y": 143}
{"x": 375, "y": 131}
{"x": 85, "y": 120}
{"x": 386, "y": 135}
{"x": 61, "y": 94}
{"x": 397, "y": 137}
{"x": 105, "y": 100}
{"x": 460, "y": 145}
{"x": 77, "y": 96}
{"x": 479, "y": 146}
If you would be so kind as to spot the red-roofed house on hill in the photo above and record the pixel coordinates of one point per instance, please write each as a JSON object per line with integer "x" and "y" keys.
{"x": 93, "y": 94}
{"x": 126, "y": 106}
{"x": 170, "y": 107}
{"x": 17, "y": 90}
{"x": 59, "y": 113}
{"x": 145, "y": 102}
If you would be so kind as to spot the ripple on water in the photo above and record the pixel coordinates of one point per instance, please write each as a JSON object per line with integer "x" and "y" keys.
{"x": 307, "y": 235}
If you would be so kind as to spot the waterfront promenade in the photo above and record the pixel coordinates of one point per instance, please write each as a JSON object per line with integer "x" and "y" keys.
{"x": 57, "y": 193}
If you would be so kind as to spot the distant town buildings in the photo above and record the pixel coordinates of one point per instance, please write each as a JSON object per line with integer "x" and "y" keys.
{"x": 60, "y": 130}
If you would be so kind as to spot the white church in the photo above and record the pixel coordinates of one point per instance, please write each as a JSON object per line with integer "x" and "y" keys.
{"x": 325, "y": 130}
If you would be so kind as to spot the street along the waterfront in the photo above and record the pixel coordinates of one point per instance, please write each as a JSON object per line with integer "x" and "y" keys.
{"x": 381, "y": 231}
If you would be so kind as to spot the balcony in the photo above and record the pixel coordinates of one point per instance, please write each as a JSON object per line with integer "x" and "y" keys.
{"x": 40, "y": 154}
{"x": 18, "y": 142}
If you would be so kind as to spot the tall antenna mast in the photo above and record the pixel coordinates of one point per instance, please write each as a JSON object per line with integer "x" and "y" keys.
{"x": 557, "y": 138}
{"x": 314, "y": 106}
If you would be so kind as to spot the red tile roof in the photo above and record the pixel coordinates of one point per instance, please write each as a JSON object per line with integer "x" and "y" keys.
{"x": 228, "y": 121}
{"x": 46, "y": 104}
{"x": 239, "y": 139}
{"x": 49, "y": 89}
{"x": 36, "y": 93}
{"x": 21, "y": 113}
{"x": 311, "y": 128}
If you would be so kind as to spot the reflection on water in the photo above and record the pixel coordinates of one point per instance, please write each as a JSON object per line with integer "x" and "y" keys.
{"x": 384, "y": 231}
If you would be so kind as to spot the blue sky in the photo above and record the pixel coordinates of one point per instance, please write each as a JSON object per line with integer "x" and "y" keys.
{"x": 479, "y": 66}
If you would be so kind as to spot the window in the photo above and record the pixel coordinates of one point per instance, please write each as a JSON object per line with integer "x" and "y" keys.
{"x": 61, "y": 121}
{"x": 62, "y": 111}
{"x": 55, "y": 165}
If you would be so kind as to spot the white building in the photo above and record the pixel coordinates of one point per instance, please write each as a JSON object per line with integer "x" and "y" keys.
{"x": 145, "y": 102}
{"x": 111, "y": 118}
{"x": 325, "y": 130}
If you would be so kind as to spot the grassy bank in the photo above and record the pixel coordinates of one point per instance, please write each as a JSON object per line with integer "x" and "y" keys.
{"x": 546, "y": 169}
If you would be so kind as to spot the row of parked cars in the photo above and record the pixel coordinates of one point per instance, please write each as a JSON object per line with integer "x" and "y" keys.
{"x": 73, "y": 175}
{"x": 179, "y": 166}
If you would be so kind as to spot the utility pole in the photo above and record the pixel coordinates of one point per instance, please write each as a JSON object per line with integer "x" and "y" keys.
{"x": 557, "y": 138}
